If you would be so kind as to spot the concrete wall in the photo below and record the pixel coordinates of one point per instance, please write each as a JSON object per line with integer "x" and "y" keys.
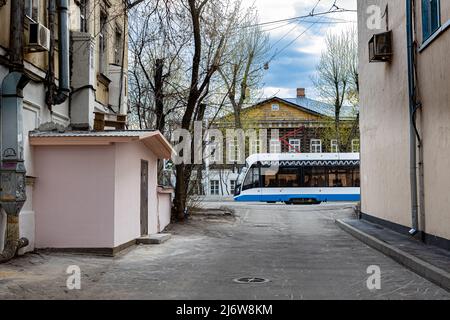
{"x": 434, "y": 121}
{"x": 224, "y": 177}
{"x": 385, "y": 162}
{"x": 164, "y": 210}
{"x": 74, "y": 197}
{"x": 128, "y": 195}
{"x": 89, "y": 196}
{"x": 35, "y": 113}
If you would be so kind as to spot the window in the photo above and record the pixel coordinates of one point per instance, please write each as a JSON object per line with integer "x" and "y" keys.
{"x": 334, "y": 146}
{"x": 102, "y": 36}
{"x": 84, "y": 15}
{"x": 232, "y": 186}
{"x": 118, "y": 42}
{"x": 167, "y": 165}
{"x": 316, "y": 146}
{"x": 430, "y": 17}
{"x": 275, "y": 107}
{"x": 214, "y": 187}
{"x": 270, "y": 179}
{"x": 275, "y": 146}
{"x": 32, "y": 9}
{"x": 234, "y": 152}
{"x": 288, "y": 177}
{"x": 251, "y": 179}
{"x": 294, "y": 145}
{"x": 214, "y": 152}
{"x": 255, "y": 146}
{"x": 355, "y": 146}
{"x": 345, "y": 177}
{"x": 314, "y": 177}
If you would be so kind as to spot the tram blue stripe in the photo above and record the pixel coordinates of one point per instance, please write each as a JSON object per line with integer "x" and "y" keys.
{"x": 287, "y": 197}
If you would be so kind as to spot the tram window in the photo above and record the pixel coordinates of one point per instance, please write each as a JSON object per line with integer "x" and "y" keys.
{"x": 252, "y": 179}
{"x": 319, "y": 178}
{"x": 356, "y": 178}
{"x": 270, "y": 181}
{"x": 288, "y": 178}
{"x": 314, "y": 177}
{"x": 337, "y": 178}
{"x": 343, "y": 177}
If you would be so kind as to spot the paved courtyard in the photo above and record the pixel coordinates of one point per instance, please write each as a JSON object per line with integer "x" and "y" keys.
{"x": 299, "y": 249}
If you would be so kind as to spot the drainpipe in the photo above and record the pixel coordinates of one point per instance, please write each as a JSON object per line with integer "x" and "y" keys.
{"x": 56, "y": 96}
{"x": 412, "y": 110}
{"x": 12, "y": 169}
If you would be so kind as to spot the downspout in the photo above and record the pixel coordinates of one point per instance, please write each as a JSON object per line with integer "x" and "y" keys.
{"x": 12, "y": 169}
{"x": 412, "y": 111}
{"x": 56, "y": 96}
{"x": 13, "y": 174}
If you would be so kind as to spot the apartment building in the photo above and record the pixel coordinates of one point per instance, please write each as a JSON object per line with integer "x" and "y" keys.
{"x": 63, "y": 70}
{"x": 405, "y": 115}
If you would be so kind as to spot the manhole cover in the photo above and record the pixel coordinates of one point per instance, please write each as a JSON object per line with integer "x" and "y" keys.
{"x": 251, "y": 280}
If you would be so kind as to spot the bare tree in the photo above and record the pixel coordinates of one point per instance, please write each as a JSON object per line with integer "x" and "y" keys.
{"x": 156, "y": 49}
{"x": 176, "y": 51}
{"x": 211, "y": 25}
{"x": 337, "y": 74}
{"x": 243, "y": 70}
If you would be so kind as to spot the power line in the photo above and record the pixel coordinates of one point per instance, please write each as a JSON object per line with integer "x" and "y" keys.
{"x": 296, "y": 38}
{"x": 339, "y": 10}
{"x": 334, "y": 8}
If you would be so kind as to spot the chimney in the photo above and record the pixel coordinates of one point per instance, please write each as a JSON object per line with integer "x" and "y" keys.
{"x": 301, "y": 92}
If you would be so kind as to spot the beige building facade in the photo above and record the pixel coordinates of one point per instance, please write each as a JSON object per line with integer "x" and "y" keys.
{"x": 386, "y": 118}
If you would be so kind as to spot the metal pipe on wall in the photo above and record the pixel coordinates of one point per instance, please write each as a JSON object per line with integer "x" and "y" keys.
{"x": 412, "y": 110}
{"x": 12, "y": 168}
{"x": 59, "y": 95}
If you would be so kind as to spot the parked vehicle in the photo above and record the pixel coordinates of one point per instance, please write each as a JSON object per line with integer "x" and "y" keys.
{"x": 300, "y": 178}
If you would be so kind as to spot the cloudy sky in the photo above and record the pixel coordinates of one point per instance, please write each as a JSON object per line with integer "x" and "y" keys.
{"x": 294, "y": 64}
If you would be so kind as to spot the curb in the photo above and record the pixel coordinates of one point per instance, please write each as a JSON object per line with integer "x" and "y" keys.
{"x": 422, "y": 268}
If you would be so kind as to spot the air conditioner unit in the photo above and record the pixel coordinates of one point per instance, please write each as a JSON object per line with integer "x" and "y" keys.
{"x": 380, "y": 47}
{"x": 38, "y": 38}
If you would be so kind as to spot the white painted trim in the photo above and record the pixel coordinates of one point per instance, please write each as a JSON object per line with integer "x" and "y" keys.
{"x": 434, "y": 36}
{"x": 33, "y": 109}
{"x": 32, "y": 68}
{"x": 60, "y": 117}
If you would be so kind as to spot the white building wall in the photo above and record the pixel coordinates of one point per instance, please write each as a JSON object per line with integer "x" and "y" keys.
{"x": 35, "y": 113}
{"x": 224, "y": 177}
